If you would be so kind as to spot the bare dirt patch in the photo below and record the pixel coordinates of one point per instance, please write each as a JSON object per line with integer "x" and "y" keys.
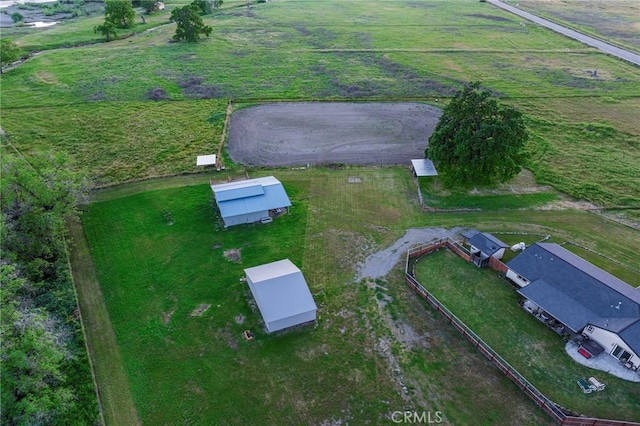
{"x": 322, "y": 133}
{"x": 490, "y": 17}
{"x": 379, "y": 264}
{"x": 569, "y": 205}
{"x": 233, "y": 255}
{"x": 166, "y": 317}
{"x": 201, "y": 309}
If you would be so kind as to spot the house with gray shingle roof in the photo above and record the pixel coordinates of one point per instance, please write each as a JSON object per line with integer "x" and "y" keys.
{"x": 576, "y": 297}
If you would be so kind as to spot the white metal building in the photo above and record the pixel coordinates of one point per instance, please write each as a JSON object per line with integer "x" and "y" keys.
{"x": 206, "y": 160}
{"x": 423, "y": 167}
{"x": 252, "y": 200}
{"x": 282, "y": 294}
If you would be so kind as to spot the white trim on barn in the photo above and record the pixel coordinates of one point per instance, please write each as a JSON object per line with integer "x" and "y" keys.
{"x": 282, "y": 294}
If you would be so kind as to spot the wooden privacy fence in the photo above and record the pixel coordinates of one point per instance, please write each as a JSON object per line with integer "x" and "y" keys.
{"x": 547, "y": 405}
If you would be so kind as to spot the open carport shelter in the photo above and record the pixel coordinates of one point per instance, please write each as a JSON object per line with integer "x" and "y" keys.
{"x": 251, "y": 200}
{"x": 282, "y": 294}
{"x": 423, "y": 167}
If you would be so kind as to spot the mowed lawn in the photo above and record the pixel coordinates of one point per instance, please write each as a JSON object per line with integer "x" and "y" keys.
{"x": 160, "y": 254}
{"x": 199, "y": 369}
{"x": 489, "y": 306}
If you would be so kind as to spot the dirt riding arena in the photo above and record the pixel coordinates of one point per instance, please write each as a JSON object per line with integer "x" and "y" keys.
{"x": 322, "y": 133}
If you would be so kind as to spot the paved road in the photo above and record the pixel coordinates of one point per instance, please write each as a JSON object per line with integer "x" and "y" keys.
{"x": 605, "y": 47}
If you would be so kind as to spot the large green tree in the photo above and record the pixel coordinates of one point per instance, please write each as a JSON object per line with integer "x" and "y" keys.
{"x": 107, "y": 29}
{"x": 44, "y": 371}
{"x": 478, "y": 141}
{"x": 35, "y": 345}
{"x": 9, "y": 51}
{"x": 189, "y": 23}
{"x": 120, "y": 13}
{"x": 205, "y": 6}
{"x": 37, "y": 197}
{"x": 149, "y": 6}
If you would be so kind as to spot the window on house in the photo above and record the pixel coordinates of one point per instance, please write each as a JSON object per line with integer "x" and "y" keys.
{"x": 621, "y": 354}
{"x": 590, "y": 328}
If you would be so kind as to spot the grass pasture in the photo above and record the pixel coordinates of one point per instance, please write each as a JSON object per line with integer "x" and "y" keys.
{"x": 153, "y": 275}
{"x": 356, "y": 50}
{"x": 133, "y": 141}
{"x": 489, "y": 305}
{"x": 143, "y": 107}
{"x": 615, "y": 21}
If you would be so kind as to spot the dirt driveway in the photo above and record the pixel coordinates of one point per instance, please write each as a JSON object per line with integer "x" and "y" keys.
{"x": 340, "y": 132}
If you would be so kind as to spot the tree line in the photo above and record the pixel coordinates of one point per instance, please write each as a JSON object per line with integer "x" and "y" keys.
{"x": 45, "y": 373}
{"x": 120, "y": 14}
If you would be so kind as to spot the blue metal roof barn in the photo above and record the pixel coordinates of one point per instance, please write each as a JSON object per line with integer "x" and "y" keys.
{"x": 282, "y": 294}
{"x": 252, "y": 200}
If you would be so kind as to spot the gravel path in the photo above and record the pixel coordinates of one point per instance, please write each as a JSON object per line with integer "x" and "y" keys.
{"x": 337, "y": 132}
{"x": 379, "y": 264}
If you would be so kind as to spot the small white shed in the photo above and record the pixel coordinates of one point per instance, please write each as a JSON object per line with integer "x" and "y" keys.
{"x": 206, "y": 160}
{"x": 282, "y": 294}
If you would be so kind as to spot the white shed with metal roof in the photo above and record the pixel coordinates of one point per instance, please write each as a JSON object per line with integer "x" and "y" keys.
{"x": 424, "y": 167}
{"x": 206, "y": 160}
{"x": 251, "y": 200}
{"x": 282, "y": 294}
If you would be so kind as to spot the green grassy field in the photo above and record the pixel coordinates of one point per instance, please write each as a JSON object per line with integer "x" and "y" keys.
{"x": 153, "y": 275}
{"x": 133, "y": 141}
{"x": 583, "y": 128}
{"x": 615, "y": 21}
{"x": 489, "y": 305}
{"x": 199, "y": 369}
{"x": 95, "y": 102}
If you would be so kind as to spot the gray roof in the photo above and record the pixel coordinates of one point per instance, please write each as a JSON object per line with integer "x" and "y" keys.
{"x": 486, "y": 243}
{"x": 424, "y": 167}
{"x": 280, "y": 290}
{"x": 576, "y": 292}
{"x": 560, "y": 305}
{"x": 615, "y": 325}
{"x": 631, "y": 336}
{"x": 250, "y": 196}
{"x": 627, "y": 328}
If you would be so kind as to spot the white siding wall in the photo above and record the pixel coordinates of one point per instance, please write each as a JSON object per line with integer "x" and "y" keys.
{"x": 498, "y": 255}
{"x": 514, "y": 277}
{"x": 608, "y": 341}
{"x": 291, "y": 321}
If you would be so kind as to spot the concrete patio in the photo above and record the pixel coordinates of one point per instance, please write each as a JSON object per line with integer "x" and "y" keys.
{"x": 603, "y": 362}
